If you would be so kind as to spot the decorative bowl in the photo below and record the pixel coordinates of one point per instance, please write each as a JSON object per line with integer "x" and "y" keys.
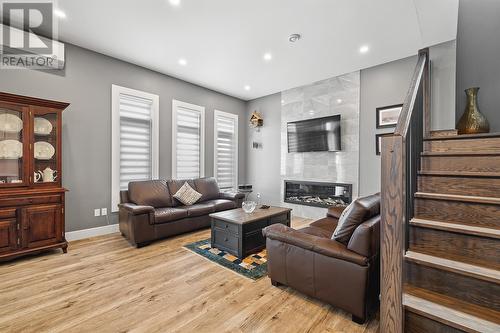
{"x": 249, "y": 206}
{"x": 44, "y": 150}
{"x": 42, "y": 126}
{"x": 10, "y": 123}
{"x": 11, "y": 149}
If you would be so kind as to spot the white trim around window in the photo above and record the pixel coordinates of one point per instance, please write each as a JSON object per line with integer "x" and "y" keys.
{"x": 226, "y": 147}
{"x": 134, "y": 138}
{"x": 192, "y": 119}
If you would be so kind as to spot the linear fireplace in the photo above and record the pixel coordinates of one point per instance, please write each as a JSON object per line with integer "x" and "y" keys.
{"x": 317, "y": 194}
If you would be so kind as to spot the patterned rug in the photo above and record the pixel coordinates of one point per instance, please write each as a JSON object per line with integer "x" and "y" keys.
{"x": 254, "y": 266}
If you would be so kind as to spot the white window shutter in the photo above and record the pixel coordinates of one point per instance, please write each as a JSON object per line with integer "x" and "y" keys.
{"x": 134, "y": 138}
{"x": 226, "y": 150}
{"x": 188, "y": 140}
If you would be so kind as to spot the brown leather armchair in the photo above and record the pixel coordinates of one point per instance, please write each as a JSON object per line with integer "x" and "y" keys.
{"x": 343, "y": 275}
{"x": 149, "y": 211}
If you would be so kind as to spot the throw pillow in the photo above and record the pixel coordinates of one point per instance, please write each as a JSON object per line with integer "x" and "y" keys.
{"x": 349, "y": 220}
{"x": 187, "y": 195}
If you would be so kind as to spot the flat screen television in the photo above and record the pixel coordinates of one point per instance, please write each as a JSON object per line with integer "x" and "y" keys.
{"x": 319, "y": 134}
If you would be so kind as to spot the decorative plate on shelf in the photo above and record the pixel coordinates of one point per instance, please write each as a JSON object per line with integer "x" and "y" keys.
{"x": 10, "y": 123}
{"x": 42, "y": 126}
{"x": 44, "y": 150}
{"x": 11, "y": 149}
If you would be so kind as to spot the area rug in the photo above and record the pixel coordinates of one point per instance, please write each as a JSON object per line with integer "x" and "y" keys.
{"x": 254, "y": 266}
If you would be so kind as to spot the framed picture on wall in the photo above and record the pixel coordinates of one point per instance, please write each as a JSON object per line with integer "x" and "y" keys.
{"x": 378, "y": 141}
{"x": 388, "y": 116}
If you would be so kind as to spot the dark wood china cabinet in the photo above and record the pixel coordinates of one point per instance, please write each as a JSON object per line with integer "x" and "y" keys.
{"x": 31, "y": 193}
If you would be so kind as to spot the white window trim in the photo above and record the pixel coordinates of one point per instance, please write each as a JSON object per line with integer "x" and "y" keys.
{"x": 115, "y": 137}
{"x": 201, "y": 109}
{"x": 235, "y": 117}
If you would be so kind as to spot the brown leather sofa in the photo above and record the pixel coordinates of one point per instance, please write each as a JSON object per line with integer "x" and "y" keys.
{"x": 309, "y": 260}
{"x": 148, "y": 211}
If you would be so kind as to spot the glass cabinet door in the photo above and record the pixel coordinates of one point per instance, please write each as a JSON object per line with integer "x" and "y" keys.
{"x": 45, "y": 147}
{"x": 13, "y": 145}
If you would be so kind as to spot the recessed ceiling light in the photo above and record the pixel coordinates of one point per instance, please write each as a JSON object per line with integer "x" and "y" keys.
{"x": 364, "y": 49}
{"x": 175, "y": 2}
{"x": 267, "y": 56}
{"x": 282, "y": 102}
{"x": 311, "y": 112}
{"x": 182, "y": 62}
{"x": 339, "y": 100}
{"x": 59, "y": 13}
{"x": 294, "y": 37}
{"x": 247, "y": 87}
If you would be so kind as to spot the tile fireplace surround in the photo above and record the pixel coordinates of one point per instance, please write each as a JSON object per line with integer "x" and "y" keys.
{"x": 338, "y": 95}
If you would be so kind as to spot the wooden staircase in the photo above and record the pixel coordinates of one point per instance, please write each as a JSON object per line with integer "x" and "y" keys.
{"x": 440, "y": 223}
{"x": 452, "y": 265}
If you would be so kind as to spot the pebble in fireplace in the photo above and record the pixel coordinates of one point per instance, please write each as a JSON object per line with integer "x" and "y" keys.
{"x": 318, "y": 194}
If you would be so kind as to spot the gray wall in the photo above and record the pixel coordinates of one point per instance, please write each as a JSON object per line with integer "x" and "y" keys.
{"x": 263, "y": 164}
{"x": 86, "y": 84}
{"x": 382, "y": 85}
{"x": 443, "y": 77}
{"x": 478, "y": 56}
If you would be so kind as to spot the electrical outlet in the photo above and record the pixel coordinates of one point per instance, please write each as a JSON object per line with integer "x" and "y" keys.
{"x": 104, "y": 211}
{"x": 97, "y": 212}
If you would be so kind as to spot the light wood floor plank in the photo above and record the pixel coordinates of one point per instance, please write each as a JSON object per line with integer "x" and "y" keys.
{"x": 105, "y": 285}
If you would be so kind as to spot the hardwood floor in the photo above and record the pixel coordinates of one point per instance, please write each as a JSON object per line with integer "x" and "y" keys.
{"x": 105, "y": 285}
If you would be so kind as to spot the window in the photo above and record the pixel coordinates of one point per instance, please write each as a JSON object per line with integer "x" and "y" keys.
{"x": 188, "y": 140}
{"x": 226, "y": 150}
{"x": 134, "y": 139}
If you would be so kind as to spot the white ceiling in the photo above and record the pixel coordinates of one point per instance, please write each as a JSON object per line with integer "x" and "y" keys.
{"x": 223, "y": 41}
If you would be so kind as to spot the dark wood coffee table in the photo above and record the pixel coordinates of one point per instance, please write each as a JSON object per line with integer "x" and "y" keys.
{"x": 239, "y": 233}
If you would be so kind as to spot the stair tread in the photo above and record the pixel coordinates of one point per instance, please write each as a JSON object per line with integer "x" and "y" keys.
{"x": 459, "y": 173}
{"x": 456, "y": 197}
{"x": 456, "y": 227}
{"x": 464, "y": 136}
{"x": 443, "y": 133}
{"x": 455, "y": 266}
{"x": 461, "y": 153}
{"x": 450, "y": 311}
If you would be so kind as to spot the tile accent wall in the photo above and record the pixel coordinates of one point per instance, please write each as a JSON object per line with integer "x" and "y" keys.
{"x": 338, "y": 95}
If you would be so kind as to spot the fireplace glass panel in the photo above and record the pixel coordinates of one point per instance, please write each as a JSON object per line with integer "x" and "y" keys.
{"x": 318, "y": 194}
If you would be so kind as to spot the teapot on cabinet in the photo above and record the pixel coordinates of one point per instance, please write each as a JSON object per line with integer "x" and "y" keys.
{"x": 47, "y": 175}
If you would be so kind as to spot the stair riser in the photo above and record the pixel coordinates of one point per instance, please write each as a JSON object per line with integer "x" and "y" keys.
{"x": 462, "y": 145}
{"x": 450, "y": 284}
{"x": 488, "y": 163}
{"x": 475, "y": 214}
{"x": 415, "y": 323}
{"x": 470, "y": 249}
{"x": 483, "y": 187}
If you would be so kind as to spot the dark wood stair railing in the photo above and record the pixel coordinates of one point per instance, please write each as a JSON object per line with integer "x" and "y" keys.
{"x": 400, "y": 158}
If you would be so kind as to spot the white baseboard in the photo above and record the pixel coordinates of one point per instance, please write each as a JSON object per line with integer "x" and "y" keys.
{"x": 92, "y": 232}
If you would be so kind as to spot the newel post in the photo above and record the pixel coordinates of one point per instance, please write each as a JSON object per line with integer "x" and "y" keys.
{"x": 392, "y": 242}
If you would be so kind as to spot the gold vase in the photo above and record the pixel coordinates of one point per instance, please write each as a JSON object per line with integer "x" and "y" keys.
{"x": 472, "y": 121}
